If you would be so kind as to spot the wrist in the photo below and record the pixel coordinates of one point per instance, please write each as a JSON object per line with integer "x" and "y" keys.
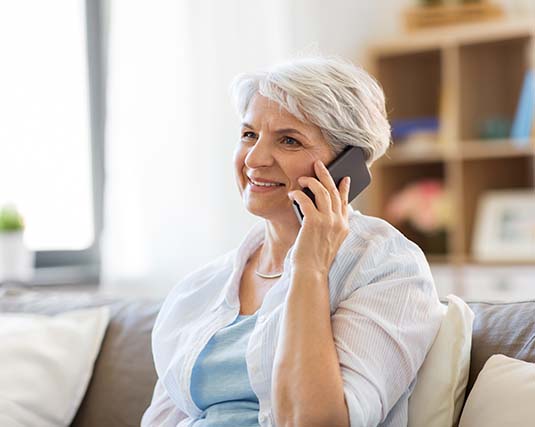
{"x": 308, "y": 273}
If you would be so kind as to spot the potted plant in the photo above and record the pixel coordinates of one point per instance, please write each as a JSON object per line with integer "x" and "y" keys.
{"x": 16, "y": 260}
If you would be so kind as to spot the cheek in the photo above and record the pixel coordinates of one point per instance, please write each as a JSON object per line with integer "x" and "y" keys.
{"x": 305, "y": 165}
{"x": 297, "y": 169}
{"x": 238, "y": 159}
{"x": 238, "y": 156}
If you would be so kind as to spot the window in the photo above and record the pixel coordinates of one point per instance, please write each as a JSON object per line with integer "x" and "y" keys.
{"x": 51, "y": 130}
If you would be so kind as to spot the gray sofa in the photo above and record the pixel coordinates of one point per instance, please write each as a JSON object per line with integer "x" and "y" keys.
{"x": 124, "y": 377}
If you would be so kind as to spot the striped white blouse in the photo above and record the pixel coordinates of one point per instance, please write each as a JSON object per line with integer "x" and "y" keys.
{"x": 385, "y": 314}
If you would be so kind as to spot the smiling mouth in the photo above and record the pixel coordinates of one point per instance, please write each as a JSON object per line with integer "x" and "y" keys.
{"x": 265, "y": 184}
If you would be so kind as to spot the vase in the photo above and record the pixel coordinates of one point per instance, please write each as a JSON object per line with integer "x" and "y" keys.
{"x": 431, "y": 243}
{"x": 435, "y": 243}
{"x": 16, "y": 260}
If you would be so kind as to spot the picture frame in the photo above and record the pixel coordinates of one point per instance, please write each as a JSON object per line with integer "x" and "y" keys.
{"x": 505, "y": 226}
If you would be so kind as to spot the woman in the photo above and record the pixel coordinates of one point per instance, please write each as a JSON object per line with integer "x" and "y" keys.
{"x": 320, "y": 324}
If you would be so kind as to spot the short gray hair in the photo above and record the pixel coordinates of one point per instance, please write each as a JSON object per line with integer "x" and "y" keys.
{"x": 343, "y": 100}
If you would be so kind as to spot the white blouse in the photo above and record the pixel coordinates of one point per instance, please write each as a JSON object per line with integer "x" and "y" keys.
{"x": 385, "y": 314}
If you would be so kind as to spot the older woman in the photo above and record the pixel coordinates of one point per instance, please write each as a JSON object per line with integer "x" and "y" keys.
{"x": 323, "y": 323}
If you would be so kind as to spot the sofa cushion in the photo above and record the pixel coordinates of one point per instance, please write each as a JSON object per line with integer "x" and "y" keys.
{"x": 124, "y": 377}
{"x": 438, "y": 396}
{"x": 501, "y": 328}
{"x": 503, "y": 394}
{"x": 50, "y": 362}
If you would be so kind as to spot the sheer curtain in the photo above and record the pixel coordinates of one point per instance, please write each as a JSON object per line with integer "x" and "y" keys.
{"x": 171, "y": 204}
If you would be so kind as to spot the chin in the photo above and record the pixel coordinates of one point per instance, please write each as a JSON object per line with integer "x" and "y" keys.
{"x": 271, "y": 212}
{"x": 260, "y": 211}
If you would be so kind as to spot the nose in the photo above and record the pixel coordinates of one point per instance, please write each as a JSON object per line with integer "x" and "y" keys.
{"x": 260, "y": 154}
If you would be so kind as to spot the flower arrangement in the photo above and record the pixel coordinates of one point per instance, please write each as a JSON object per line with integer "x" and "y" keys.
{"x": 10, "y": 219}
{"x": 425, "y": 205}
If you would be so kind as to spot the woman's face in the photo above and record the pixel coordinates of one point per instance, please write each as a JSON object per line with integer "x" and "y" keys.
{"x": 275, "y": 148}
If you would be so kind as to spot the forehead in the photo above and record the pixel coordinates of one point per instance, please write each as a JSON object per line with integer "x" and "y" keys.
{"x": 264, "y": 111}
{"x": 268, "y": 116}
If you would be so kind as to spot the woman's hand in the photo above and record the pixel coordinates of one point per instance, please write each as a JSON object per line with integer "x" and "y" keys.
{"x": 324, "y": 228}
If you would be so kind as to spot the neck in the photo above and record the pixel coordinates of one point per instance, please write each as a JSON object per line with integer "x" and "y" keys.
{"x": 278, "y": 239}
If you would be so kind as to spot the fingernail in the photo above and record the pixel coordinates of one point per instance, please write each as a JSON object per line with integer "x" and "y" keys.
{"x": 348, "y": 180}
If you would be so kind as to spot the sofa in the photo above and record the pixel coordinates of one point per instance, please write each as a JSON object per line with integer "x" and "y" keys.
{"x": 124, "y": 377}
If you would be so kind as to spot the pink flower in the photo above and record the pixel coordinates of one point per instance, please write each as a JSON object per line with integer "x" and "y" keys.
{"x": 424, "y": 204}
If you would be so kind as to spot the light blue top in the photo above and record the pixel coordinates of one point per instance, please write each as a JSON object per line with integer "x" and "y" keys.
{"x": 220, "y": 383}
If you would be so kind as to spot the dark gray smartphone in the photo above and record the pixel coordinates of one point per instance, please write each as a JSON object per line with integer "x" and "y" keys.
{"x": 350, "y": 162}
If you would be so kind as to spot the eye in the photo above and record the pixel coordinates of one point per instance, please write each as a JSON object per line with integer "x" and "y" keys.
{"x": 248, "y": 135}
{"x": 288, "y": 140}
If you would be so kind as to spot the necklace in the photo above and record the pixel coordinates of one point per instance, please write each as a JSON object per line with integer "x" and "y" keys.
{"x": 266, "y": 276}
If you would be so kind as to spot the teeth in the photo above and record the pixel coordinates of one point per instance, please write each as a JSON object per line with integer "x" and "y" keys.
{"x": 264, "y": 184}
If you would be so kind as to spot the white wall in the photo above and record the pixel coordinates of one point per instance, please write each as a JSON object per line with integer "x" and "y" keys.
{"x": 345, "y": 27}
{"x": 342, "y": 27}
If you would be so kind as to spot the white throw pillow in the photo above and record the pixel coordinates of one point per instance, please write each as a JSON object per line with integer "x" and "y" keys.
{"x": 438, "y": 396}
{"x": 503, "y": 395}
{"x": 46, "y": 363}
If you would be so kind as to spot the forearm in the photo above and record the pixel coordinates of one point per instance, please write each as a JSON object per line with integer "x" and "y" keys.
{"x": 307, "y": 383}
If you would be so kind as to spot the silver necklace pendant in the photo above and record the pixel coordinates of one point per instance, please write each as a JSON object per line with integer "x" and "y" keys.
{"x": 268, "y": 276}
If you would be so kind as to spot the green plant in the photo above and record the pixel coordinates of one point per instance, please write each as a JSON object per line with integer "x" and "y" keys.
{"x": 10, "y": 219}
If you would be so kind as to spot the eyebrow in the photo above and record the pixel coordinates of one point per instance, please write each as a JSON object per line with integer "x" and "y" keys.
{"x": 284, "y": 130}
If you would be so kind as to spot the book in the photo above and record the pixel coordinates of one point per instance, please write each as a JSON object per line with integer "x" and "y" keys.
{"x": 403, "y": 128}
{"x": 525, "y": 112}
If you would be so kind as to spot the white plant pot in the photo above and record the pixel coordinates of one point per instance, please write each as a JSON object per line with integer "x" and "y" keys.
{"x": 16, "y": 260}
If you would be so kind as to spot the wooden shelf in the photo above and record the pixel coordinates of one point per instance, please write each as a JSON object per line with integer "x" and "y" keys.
{"x": 410, "y": 154}
{"x": 495, "y": 148}
{"x": 439, "y": 259}
{"x": 498, "y": 263}
{"x": 457, "y": 35}
{"x": 406, "y": 154}
{"x": 466, "y": 76}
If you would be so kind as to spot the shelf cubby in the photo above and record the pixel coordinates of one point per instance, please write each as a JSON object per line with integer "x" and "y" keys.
{"x": 492, "y": 76}
{"x": 465, "y": 76}
{"x": 411, "y": 83}
{"x": 491, "y": 174}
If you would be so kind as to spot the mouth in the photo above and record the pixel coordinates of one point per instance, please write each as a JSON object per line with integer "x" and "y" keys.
{"x": 264, "y": 183}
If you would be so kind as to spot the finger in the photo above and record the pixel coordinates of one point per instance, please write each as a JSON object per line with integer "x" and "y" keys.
{"x": 327, "y": 180}
{"x": 323, "y": 199}
{"x": 305, "y": 203}
{"x": 345, "y": 185}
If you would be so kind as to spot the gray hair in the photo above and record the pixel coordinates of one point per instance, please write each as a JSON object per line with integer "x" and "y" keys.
{"x": 343, "y": 100}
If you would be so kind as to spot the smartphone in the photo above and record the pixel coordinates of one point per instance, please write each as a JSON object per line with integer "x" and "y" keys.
{"x": 350, "y": 162}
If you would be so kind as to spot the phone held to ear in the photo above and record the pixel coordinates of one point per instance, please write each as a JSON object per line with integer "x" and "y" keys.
{"x": 351, "y": 162}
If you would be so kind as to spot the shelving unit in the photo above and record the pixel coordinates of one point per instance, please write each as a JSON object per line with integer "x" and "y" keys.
{"x": 463, "y": 75}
